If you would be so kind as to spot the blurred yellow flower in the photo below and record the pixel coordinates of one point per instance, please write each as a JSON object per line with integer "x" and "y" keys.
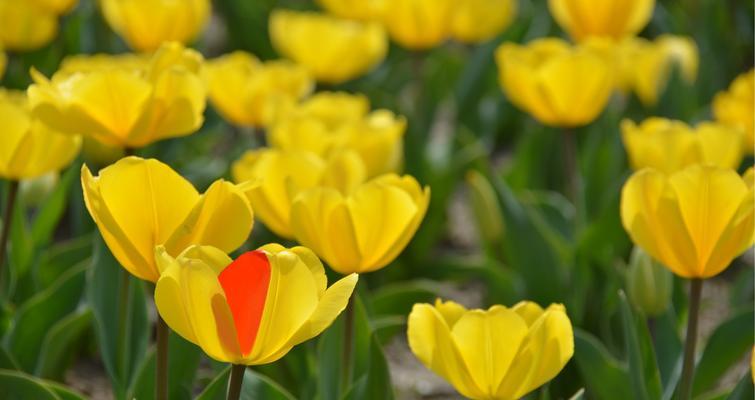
{"x": 245, "y": 91}
{"x": 669, "y": 145}
{"x": 29, "y": 148}
{"x": 25, "y": 25}
{"x": 124, "y": 101}
{"x": 362, "y": 231}
{"x": 475, "y": 21}
{"x": 282, "y": 174}
{"x": 362, "y": 10}
{"x": 252, "y": 310}
{"x": 334, "y": 50}
{"x": 3, "y": 62}
{"x": 328, "y": 123}
{"x": 530, "y": 346}
{"x": 694, "y": 221}
{"x": 418, "y": 24}
{"x": 559, "y": 85}
{"x": 736, "y": 107}
{"x": 58, "y": 7}
{"x": 139, "y": 204}
{"x": 608, "y": 18}
{"x": 146, "y": 24}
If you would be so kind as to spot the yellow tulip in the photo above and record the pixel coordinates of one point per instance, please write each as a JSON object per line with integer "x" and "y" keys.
{"x": 29, "y": 148}
{"x": 124, "y": 101}
{"x": 58, "y": 7}
{"x": 694, "y": 221}
{"x": 362, "y": 10}
{"x": 608, "y": 18}
{"x": 475, "y": 21}
{"x": 500, "y": 353}
{"x": 245, "y": 91}
{"x": 559, "y": 85}
{"x": 282, "y": 174}
{"x": 25, "y": 25}
{"x": 362, "y": 231}
{"x": 735, "y": 107}
{"x": 139, "y": 204}
{"x": 146, "y": 24}
{"x": 329, "y": 123}
{"x": 418, "y": 24}
{"x": 333, "y": 50}
{"x": 669, "y": 146}
{"x": 252, "y": 310}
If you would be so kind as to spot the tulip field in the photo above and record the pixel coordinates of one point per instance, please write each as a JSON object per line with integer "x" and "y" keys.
{"x": 377, "y": 199}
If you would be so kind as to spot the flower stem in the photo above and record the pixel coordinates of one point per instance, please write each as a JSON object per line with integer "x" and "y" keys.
{"x": 348, "y": 337}
{"x": 688, "y": 369}
{"x": 124, "y": 303}
{"x": 161, "y": 373}
{"x": 237, "y": 378}
{"x": 7, "y": 219}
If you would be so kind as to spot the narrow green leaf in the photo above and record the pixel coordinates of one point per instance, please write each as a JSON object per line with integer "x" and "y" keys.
{"x": 744, "y": 389}
{"x": 604, "y": 376}
{"x": 52, "y": 208}
{"x": 643, "y": 368}
{"x": 398, "y": 298}
{"x": 375, "y": 384}
{"x": 183, "y": 361}
{"x": 259, "y": 387}
{"x": 18, "y": 385}
{"x": 60, "y": 344}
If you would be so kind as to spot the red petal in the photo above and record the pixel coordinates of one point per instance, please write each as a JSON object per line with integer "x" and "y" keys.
{"x": 245, "y": 282}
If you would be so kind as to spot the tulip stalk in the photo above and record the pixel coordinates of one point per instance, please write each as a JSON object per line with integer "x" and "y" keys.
{"x": 7, "y": 218}
{"x": 688, "y": 368}
{"x": 237, "y": 378}
{"x": 348, "y": 335}
{"x": 161, "y": 378}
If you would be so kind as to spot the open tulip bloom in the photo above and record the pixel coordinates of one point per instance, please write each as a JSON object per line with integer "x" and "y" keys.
{"x": 498, "y": 354}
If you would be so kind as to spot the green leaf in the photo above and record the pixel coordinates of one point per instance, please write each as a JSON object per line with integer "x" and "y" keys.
{"x": 729, "y": 342}
{"x": 59, "y": 257}
{"x": 183, "y": 361}
{"x": 122, "y": 348}
{"x": 744, "y": 389}
{"x": 376, "y": 383}
{"x": 259, "y": 387}
{"x": 52, "y": 208}
{"x": 580, "y": 395}
{"x": 60, "y": 344}
{"x": 18, "y": 385}
{"x": 63, "y": 392}
{"x": 7, "y": 361}
{"x": 217, "y": 388}
{"x": 398, "y": 298}
{"x": 668, "y": 347}
{"x": 604, "y": 376}
{"x": 37, "y": 316}
{"x": 643, "y": 369}
{"x": 21, "y": 245}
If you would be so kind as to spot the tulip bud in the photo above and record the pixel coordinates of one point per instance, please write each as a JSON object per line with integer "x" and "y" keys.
{"x": 649, "y": 283}
{"x": 484, "y": 203}
{"x": 34, "y": 190}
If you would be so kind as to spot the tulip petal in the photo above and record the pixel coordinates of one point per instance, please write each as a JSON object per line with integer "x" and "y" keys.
{"x": 42, "y": 150}
{"x": 529, "y": 311}
{"x": 451, "y": 311}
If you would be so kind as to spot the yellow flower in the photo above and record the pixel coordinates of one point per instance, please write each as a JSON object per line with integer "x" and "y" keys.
{"x": 328, "y": 123}
{"x": 58, "y": 7}
{"x": 124, "y": 101}
{"x": 418, "y": 24}
{"x": 362, "y": 231}
{"x": 735, "y": 107}
{"x": 668, "y": 145}
{"x": 252, "y": 310}
{"x": 475, "y": 21}
{"x": 559, "y": 85}
{"x": 29, "y": 148}
{"x": 139, "y": 204}
{"x": 146, "y": 24}
{"x": 25, "y": 25}
{"x": 609, "y": 18}
{"x": 500, "y": 353}
{"x": 694, "y": 221}
{"x": 362, "y": 10}
{"x": 245, "y": 91}
{"x": 334, "y": 50}
{"x": 282, "y": 174}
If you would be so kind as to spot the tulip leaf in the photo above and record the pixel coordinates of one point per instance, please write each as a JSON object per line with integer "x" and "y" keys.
{"x": 38, "y": 315}
{"x": 668, "y": 347}
{"x": 580, "y": 395}
{"x": 59, "y": 257}
{"x": 63, "y": 392}
{"x": 217, "y": 388}
{"x": 398, "y": 298}
{"x": 52, "y": 208}
{"x": 21, "y": 246}
{"x": 60, "y": 344}
{"x": 729, "y": 342}
{"x": 643, "y": 368}
{"x": 122, "y": 348}
{"x": 183, "y": 361}
{"x": 375, "y": 384}
{"x": 256, "y": 386}
{"x": 744, "y": 389}
{"x": 18, "y": 385}
{"x": 7, "y": 361}
{"x": 604, "y": 376}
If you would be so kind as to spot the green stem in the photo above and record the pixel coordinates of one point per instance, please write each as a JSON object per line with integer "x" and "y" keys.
{"x": 688, "y": 369}
{"x": 124, "y": 302}
{"x": 161, "y": 373}
{"x": 237, "y": 378}
{"x": 348, "y": 337}
{"x": 7, "y": 219}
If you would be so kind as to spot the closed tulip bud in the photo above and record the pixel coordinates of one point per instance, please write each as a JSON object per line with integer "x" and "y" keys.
{"x": 735, "y": 107}
{"x": 484, "y": 204}
{"x": 669, "y": 145}
{"x": 282, "y": 174}
{"x": 362, "y": 10}
{"x": 649, "y": 284}
{"x": 476, "y": 21}
{"x": 34, "y": 190}
{"x": 353, "y": 48}
{"x": 607, "y": 18}
{"x": 139, "y": 204}
{"x": 146, "y": 24}
{"x": 251, "y": 310}
{"x": 539, "y": 79}
{"x": 28, "y": 147}
{"x": 246, "y": 91}
{"x": 500, "y": 353}
{"x": 364, "y": 230}
{"x": 124, "y": 101}
{"x": 418, "y": 24}
{"x": 26, "y": 25}
{"x": 694, "y": 221}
